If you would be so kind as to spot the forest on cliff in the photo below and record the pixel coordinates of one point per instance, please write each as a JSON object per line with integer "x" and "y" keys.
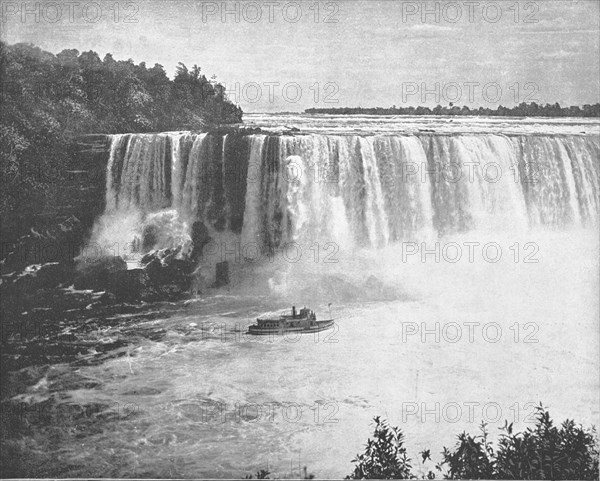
{"x": 49, "y": 100}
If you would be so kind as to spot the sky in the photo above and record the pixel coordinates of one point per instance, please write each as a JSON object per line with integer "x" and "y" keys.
{"x": 289, "y": 56}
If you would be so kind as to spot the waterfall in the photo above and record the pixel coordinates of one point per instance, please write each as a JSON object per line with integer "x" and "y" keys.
{"x": 251, "y": 217}
{"x": 363, "y": 190}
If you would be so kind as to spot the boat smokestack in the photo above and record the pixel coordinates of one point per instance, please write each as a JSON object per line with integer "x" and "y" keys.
{"x": 294, "y": 312}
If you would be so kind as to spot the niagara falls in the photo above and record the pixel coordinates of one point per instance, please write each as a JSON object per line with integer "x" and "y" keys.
{"x": 300, "y": 240}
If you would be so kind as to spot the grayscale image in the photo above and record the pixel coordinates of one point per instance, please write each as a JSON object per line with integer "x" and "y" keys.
{"x": 347, "y": 239}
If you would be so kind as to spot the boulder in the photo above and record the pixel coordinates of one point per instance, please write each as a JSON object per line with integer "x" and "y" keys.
{"x": 222, "y": 274}
{"x": 130, "y": 285}
{"x": 169, "y": 274}
{"x": 149, "y": 237}
{"x": 97, "y": 273}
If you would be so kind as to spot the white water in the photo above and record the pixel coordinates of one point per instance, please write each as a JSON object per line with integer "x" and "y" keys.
{"x": 371, "y": 190}
{"x": 173, "y": 383}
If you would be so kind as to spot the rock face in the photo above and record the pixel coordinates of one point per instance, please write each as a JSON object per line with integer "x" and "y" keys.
{"x": 59, "y": 243}
{"x": 58, "y": 233}
{"x": 44, "y": 258}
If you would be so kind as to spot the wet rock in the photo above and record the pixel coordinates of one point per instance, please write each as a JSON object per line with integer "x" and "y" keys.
{"x": 170, "y": 274}
{"x": 57, "y": 243}
{"x": 40, "y": 276}
{"x": 200, "y": 238}
{"x": 130, "y": 285}
{"x": 35, "y": 277}
{"x": 199, "y": 280}
{"x": 97, "y": 273}
{"x": 222, "y": 274}
{"x": 16, "y": 287}
{"x": 149, "y": 237}
{"x": 163, "y": 255}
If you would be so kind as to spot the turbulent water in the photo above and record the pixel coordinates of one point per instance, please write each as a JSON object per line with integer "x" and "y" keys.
{"x": 461, "y": 264}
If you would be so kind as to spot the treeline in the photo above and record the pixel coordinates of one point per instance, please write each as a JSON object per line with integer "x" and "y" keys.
{"x": 48, "y": 100}
{"x": 82, "y": 93}
{"x": 521, "y": 110}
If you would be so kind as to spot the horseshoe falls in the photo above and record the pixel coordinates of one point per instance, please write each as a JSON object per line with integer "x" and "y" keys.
{"x": 362, "y": 191}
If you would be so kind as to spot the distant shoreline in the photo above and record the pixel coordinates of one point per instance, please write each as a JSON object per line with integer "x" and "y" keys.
{"x": 521, "y": 110}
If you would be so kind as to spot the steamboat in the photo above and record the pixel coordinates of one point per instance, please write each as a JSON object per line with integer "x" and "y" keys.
{"x": 303, "y": 321}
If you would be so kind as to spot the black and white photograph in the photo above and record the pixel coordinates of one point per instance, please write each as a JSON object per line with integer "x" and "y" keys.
{"x": 313, "y": 239}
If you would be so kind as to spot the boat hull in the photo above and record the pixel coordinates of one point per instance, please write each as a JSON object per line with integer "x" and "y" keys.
{"x": 255, "y": 330}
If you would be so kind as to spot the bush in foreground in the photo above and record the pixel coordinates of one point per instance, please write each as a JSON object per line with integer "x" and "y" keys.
{"x": 384, "y": 456}
{"x": 545, "y": 451}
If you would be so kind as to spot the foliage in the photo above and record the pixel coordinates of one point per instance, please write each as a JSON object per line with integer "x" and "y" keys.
{"x": 543, "y": 451}
{"x": 472, "y": 458}
{"x": 521, "y": 110}
{"x": 384, "y": 456}
{"x": 77, "y": 93}
{"x": 261, "y": 474}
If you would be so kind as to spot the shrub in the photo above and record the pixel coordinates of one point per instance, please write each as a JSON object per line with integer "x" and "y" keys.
{"x": 384, "y": 456}
{"x": 542, "y": 452}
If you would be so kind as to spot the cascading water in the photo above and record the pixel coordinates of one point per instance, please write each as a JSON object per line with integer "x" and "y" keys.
{"x": 369, "y": 190}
